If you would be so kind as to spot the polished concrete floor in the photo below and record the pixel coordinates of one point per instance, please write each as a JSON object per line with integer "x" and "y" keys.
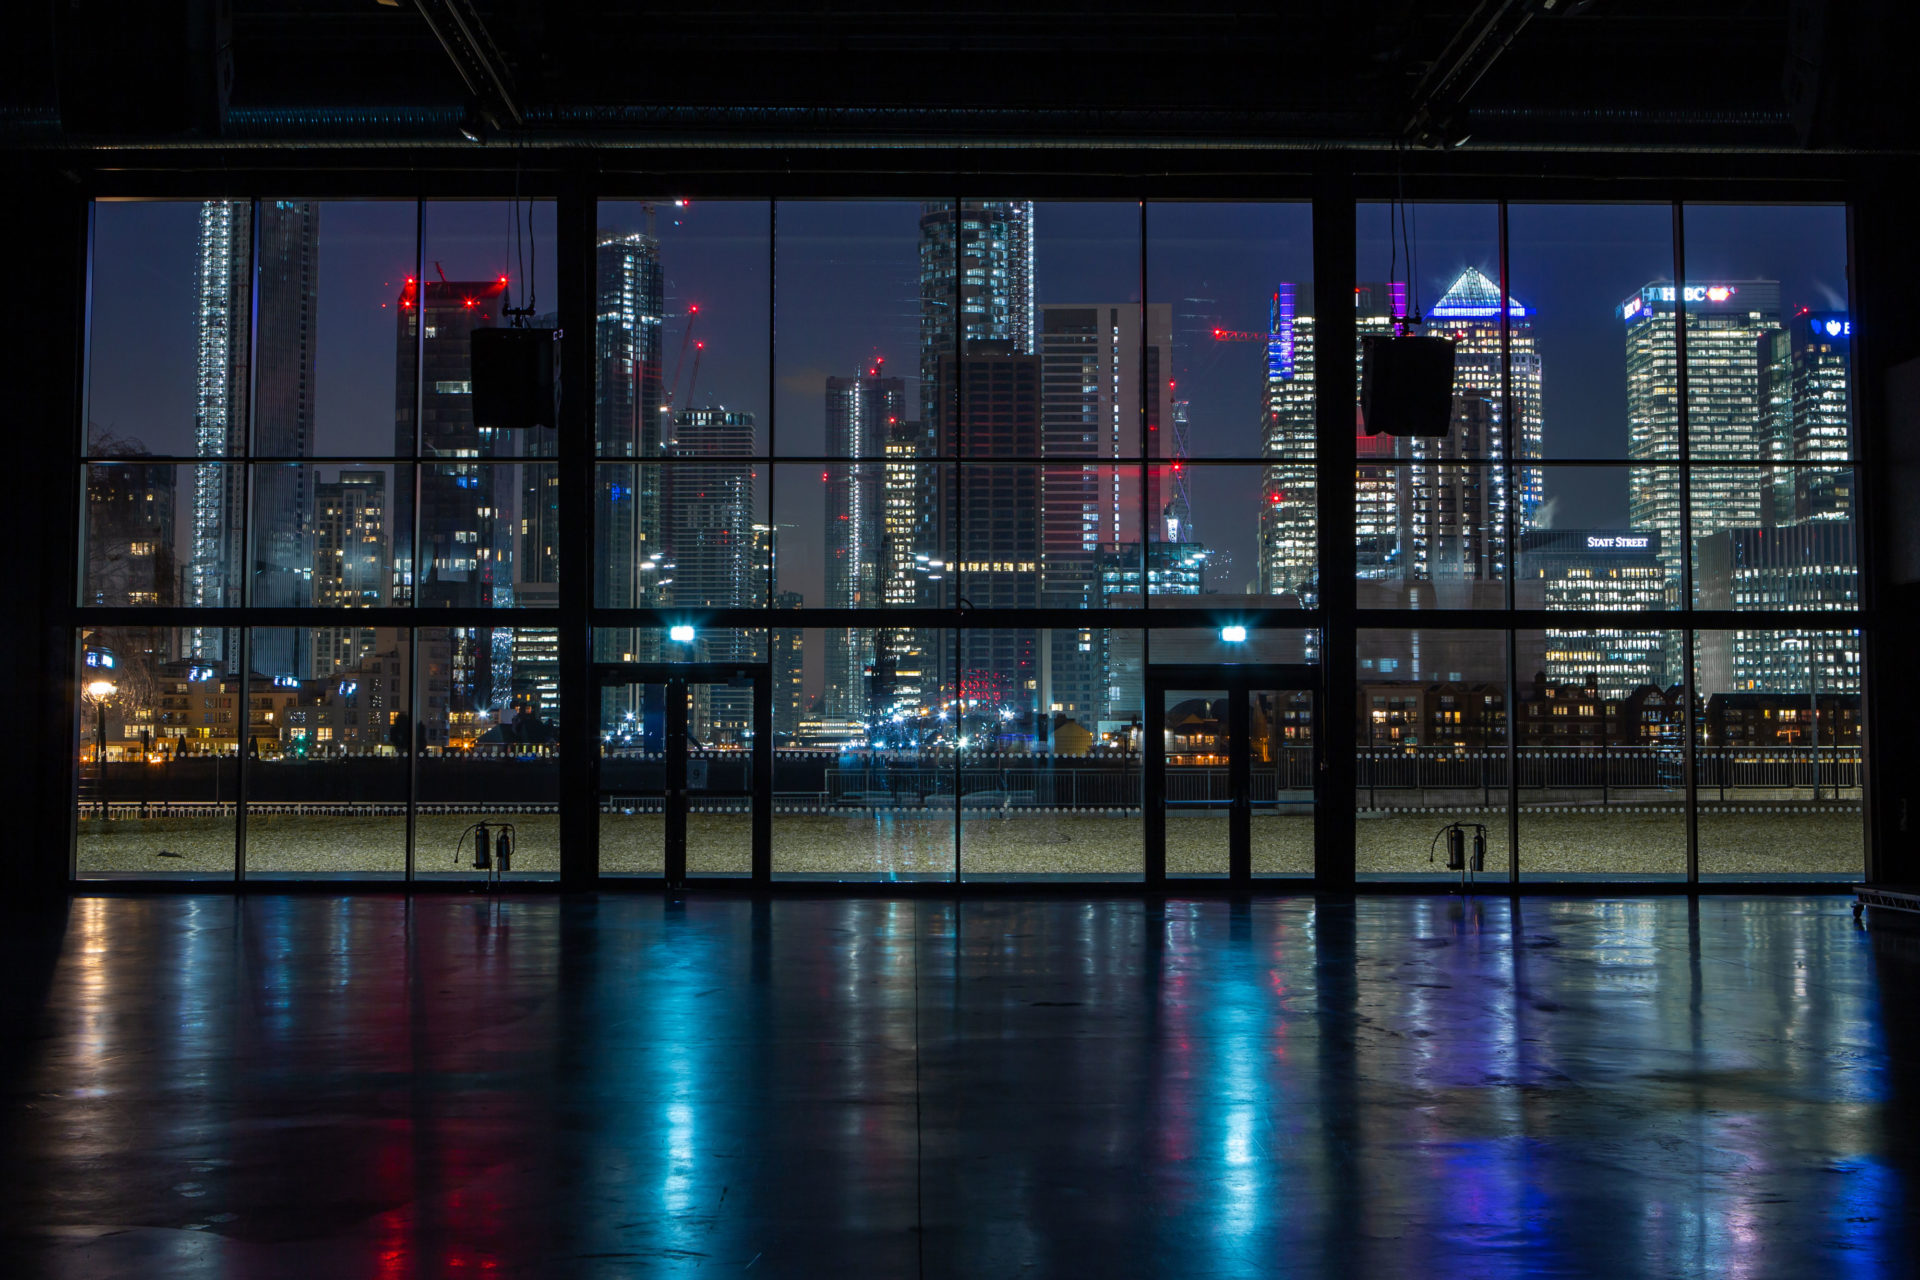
{"x": 282, "y": 1086}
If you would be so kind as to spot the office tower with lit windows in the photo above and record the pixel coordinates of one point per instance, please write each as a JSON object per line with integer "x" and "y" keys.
{"x": 1814, "y": 383}
{"x": 859, "y": 412}
{"x": 461, "y": 525}
{"x": 459, "y": 514}
{"x": 629, "y": 421}
{"x": 1420, "y": 514}
{"x": 992, "y": 515}
{"x": 976, "y": 286}
{"x": 1470, "y": 313}
{"x": 788, "y": 670}
{"x": 1804, "y": 568}
{"x": 351, "y": 564}
{"x": 1091, "y": 374}
{"x": 980, "y": 266}
{"x": 255, "y": 379}
{"x": 1605, "y": 570}
{"x": 1728, "y": 416}
{"x": 1289, "y": 526}
{"x": 707, "y": 504}
{"x": 910, "y": 574}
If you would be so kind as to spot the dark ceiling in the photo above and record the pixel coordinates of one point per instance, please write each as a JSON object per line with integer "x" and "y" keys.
{"x": 1512, "y": 74}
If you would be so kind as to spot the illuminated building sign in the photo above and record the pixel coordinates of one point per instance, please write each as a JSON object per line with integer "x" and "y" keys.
{"x": 1643, "y": 301}
{"x": 1619, "y": 541}
{"x": 99, "y": 658}
{"x": 1831, "y": 326}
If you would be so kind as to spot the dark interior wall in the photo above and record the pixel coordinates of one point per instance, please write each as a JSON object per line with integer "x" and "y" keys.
{"x": 1886, "y": 280}
{"x": 44, "y": 224}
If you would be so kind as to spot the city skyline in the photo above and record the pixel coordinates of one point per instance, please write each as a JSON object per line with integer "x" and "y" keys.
{"x": 1020, "y": 253}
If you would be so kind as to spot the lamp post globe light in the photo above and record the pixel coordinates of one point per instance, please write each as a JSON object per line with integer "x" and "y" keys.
{"x": 99, "y": 693}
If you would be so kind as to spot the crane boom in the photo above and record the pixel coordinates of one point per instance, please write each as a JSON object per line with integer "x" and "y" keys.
{"x": 673, "y": 388}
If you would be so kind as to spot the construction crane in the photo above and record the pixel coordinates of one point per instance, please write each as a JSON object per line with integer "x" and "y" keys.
{"x": 686, "y": 336}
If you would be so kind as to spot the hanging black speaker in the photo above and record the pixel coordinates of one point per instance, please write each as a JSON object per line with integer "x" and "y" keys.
{"x": 514, "y": 387}
{"x": 1406, "y": 385}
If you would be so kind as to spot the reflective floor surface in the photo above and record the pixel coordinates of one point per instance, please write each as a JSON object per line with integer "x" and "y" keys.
{"x": 280, "y": 1086}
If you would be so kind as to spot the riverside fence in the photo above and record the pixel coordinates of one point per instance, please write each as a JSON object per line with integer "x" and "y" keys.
{"x": 815, "y": 781}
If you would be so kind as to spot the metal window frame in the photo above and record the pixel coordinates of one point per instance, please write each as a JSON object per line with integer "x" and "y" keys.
{"x": 1331, "y": 183}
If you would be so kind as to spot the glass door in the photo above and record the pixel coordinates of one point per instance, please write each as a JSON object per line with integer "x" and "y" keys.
{"x": 1197, "y": 813}
{"x": 1232, "y": 771}
{"x": 1284, "y": 769}
{"x": 684, "y": 772}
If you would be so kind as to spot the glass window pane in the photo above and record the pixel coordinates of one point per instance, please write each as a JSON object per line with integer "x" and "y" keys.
{"x": 158, "y": 738}
{"x": 1768, "y": 335}
{"x": 134, "y": 553}
{"x": 714, "y": 545}
{"x": 166, "y": 358}
{"x": 845, "y": 806}
{"x": 866, "y": 535}
{"x": 334, "y": 280}
{"x": 1430, "y": 534}
{"x": 323, "y": 535}
{"x": 489, "y": 536}
{"x": 1607, "y": 564}
{"x": 486, "y": 726}
{"x": 1795, "y": 565}
{"x": 1779, "y": 747}
{"x": 1234, "y": 277}
{"x": 1085, "y": 328}
{"x": 1580, "y": 271}
{"x": 1039, "y": 793}
{"x": 1453, "y": 284}
{"x": 1601, "y": 745}
{"x": 683, "y": 311}
{"x": 1431, "y": 722}
{"x": 864, "y": 294}
{"x": 327, "y": 791}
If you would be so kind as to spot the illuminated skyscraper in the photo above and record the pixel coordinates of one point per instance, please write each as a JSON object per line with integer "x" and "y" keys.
{"x": 1091, "y": 375}
{"x": 1420, "y": 516}
{"x": 1289, "y": 520}
{"x": 255, "y": 374}
{"x": 708, "y": 510}
{"x": 987, "y": 273}
{"x": 859, "y": 411}
{"x": 1813, "y": 381}
{"x": 351, "y": 564}
{"x": 1470, "y": 314}
{"x": 1729, "y": 325}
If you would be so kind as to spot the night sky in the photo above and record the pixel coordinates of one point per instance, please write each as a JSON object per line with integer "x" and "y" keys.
{"x": 848, "y": 293}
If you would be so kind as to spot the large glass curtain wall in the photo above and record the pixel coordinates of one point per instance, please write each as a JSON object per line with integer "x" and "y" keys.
{"x": 863, "y": 473}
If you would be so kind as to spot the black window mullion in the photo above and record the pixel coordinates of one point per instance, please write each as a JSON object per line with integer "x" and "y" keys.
{"x": 1688, "y": 694}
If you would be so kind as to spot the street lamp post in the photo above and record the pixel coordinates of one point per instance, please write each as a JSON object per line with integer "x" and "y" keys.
{"x": 98, "y": 692}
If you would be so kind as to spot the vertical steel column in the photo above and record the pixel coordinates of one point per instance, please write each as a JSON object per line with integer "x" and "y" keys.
{"x": 1153, "y": 780}
{"x": 958, "y": 515}
{"x": 763, "y": 774}
{"x": 1336, "y": 377}
{"x": 1883, "y": 330}
{"x": 1509, "y": 423}
{"x": 245, "y": 453}
{"x": 44, "y": 779}
{"x": 1239, "y": 785}
{"x": 416, "y": 702}
{"x": 763, "y": 760}
{"x": 677, "y": 692}
{"x": 577, "y": 224}
{"x": 1690, "y": 735}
